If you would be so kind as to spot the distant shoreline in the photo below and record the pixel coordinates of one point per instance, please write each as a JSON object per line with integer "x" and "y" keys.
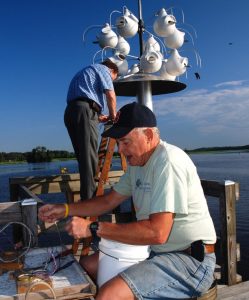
{"x": 195, "y": 151}
{"x": 215, "y": 151}
{"x": 14, "y": 162}
{"x": 224, "y": 149}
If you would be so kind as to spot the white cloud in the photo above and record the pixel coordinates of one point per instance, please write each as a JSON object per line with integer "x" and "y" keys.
{"x": 231, "y": 83}
{"x": 210, "y": 111}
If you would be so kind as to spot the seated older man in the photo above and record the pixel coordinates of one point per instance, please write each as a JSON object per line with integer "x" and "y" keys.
{"x": 171, "y": 211}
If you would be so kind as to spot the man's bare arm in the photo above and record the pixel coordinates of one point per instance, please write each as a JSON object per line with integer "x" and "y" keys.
{"x": 155, "y": 230}
{"x": 111, "y": 103}
{"x": 91, "y": 207}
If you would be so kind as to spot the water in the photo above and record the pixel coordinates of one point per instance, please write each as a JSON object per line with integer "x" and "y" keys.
{"x": 37, "y": 169}
{"x": 235, "y": 167}
{"x": 220, "y": 167}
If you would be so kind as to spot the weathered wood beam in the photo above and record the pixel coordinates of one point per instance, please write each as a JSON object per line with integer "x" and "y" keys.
{"x": 10, "y": 212}
{"x": 228, "y": 233}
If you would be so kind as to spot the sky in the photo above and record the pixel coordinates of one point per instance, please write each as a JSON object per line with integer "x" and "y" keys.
{"x": 42, "y": 47}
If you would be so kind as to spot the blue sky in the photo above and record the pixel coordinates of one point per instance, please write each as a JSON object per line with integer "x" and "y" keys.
{"x": 41, "y": 48}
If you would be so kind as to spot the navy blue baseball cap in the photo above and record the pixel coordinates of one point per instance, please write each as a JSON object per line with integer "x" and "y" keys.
{"x": 130, "y": 116}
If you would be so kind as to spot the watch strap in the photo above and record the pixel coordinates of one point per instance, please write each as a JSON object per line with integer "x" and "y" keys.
{"x": 94, "y": 226}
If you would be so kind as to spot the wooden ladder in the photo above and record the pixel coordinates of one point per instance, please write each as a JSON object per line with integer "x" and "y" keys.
{"x": 105, "y": 156}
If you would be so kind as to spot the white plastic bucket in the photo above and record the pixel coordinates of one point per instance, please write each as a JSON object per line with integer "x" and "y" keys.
{"x": 115, "y": 257}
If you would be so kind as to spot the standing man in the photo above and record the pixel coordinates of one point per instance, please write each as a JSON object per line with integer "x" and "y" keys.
{"x": 89, "y": 92}
{"x": 171, "y": 210}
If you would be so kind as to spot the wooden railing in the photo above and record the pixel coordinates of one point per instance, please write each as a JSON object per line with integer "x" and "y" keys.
{"x": 227, "y": 193}
{"x": 21, "y": 212}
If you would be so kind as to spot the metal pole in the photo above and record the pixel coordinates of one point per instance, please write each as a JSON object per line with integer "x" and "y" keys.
{"x": 140, "y": 26}
{"x": 144, "y": 93}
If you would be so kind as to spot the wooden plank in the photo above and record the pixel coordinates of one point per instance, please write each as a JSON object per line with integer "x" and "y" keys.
{"x": 10, "y": 212}
{"x": 29, "y": 216}
{"x": 71, "y": 292}
{"x": 55, "y": 178}
{"x": 236, "y": 292}
{"x": 228, "y": 234}
{"x": 228, "y": 193}
{"x": 52, "y": 187}
{"x": 15, "y": 212}
{"x": 26, "y": 193}
{"x": 116, "y": 173}
{"x": 54, "y": 183}
{"x": 63, "y": 186}
{"x": 231, "y": 232}
{"x": 43, "y": 179}
{"x": 211, "y": 188}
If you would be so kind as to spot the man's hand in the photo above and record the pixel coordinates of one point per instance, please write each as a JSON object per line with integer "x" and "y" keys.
{"x": 103, "y": 118}
{"x": 78, "y": 227}
{"x": 51, "y": 212}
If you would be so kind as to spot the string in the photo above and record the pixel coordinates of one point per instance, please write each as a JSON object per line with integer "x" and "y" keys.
{"x": 40, "y": 282}
{"x": 29, "y": 243}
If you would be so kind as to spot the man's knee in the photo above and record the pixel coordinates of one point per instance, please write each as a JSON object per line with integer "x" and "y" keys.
{"x": 90, "y": 264}
{"x": 115, "y": 289}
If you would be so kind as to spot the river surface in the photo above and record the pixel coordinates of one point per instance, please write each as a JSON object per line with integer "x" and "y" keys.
{"x": 220, "y": 167}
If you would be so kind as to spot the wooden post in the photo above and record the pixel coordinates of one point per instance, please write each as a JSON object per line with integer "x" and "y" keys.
{"x": 14, "y": 191}
{"x": 29, "y": 218}
{"x": 228, "y": 193}
{"x": 10, "y": 212}
{"x": 228, "y": 233}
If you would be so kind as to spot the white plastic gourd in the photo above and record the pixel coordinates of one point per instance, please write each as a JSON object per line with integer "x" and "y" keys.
{"x": 151, "y": 41}
{"x": 127, "y": 25}
{"x": 176, "y": 65}
{"x": 123, "y": 46}
{"x": 121, "y": 63}
{"x": 107, "y": 37}
{"x": 151, "y": 60}
{"x": 164, "y": 25}
{"x": 134, "y": 69}
{"x": 175, "y": 40}
{"x": 163, "y": 72}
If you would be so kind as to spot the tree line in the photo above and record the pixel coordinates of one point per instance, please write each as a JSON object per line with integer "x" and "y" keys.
{"x": 42, "y": 154}
{"x": 224, "y": 148}
{"x": 38, "y": 154}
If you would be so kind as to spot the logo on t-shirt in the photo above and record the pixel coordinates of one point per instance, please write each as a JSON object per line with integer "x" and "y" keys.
{"x": 138, "y": 183}
{"x": 143, "y": 185}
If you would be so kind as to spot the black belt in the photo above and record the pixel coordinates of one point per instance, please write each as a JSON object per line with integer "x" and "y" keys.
{"x": 199, "y": 249}
{"x": 93, "y": 105}
{"x": 208, "y": 248}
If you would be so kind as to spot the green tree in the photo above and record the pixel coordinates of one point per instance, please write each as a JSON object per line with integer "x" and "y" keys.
{"x": 39, "y": 154}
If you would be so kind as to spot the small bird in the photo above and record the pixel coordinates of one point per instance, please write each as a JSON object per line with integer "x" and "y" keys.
{"x": 197, "y": 75}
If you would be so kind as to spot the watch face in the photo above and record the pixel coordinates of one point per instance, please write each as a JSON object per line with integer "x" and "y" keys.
{"x": 94, "y": 226}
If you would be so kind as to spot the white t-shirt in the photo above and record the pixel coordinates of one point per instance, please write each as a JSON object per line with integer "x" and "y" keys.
{"x": 169, "y": 183}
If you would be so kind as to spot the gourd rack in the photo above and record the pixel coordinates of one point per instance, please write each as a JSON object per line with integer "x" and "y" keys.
{"x": 141, "y": 85}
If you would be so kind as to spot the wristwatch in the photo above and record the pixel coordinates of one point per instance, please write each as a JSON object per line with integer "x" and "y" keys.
{"x": 94, "y": 226}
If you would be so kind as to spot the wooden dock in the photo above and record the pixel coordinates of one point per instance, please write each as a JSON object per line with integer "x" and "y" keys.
{"x": 238, "y": 291}
{"x": 230, "y": 283}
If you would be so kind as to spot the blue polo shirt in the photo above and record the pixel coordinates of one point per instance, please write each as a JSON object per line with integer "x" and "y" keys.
{"x": 91, "y": 82}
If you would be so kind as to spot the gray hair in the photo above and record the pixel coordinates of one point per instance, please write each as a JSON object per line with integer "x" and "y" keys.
{"x": 154, "y": 129}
